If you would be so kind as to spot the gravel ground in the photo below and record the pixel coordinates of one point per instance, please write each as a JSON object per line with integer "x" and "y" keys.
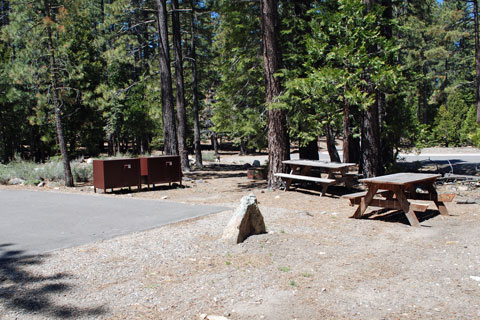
{"x": 314, "y": 263}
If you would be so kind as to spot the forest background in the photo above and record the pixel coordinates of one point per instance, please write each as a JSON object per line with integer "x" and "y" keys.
{"x": 81, "y": 78}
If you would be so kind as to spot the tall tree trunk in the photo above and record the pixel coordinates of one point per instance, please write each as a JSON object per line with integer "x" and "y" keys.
{"x": 243, "y": 147}
{"x": 196, "y": 118}
{"x": 423, "y": 92}
{"x": 310, "y": 151}
{"x": 354, "y": 150}
{"x": 57, "y": 104}
{"x": 214, "y": 140}
{"x": 168, "y": 110}
{"x": 3, "y": 141}
{"x": 346, "y": 132}
{"x": 386, "y": 147}
{"x": 477, "y": 59}
{"x": 371, "y": 142}
{"x": 180, "y": 92}
{"x": 277, "y": 134}
{"x": 332, "y": 149}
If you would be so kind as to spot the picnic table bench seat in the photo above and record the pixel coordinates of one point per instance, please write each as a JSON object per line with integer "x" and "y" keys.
{"x": 325, "y": 182}
{"x": 390, "y": 203}
{"x": 358, "y": 195}
{"x": 306, "y": 178}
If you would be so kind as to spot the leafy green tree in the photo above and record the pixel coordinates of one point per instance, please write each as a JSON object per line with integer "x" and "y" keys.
{"x": 128, "y": 93}
{"x": 239, "y": 109}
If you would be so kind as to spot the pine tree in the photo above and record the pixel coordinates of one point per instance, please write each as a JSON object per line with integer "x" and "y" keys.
{"x": 168, "y": 110}
{"x": 180, "y": 90}
{"x": 278, "y": 143}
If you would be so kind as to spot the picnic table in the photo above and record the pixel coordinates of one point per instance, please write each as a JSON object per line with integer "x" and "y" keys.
{"x": 396, "y": 190}
{"x": 336, "y": 173}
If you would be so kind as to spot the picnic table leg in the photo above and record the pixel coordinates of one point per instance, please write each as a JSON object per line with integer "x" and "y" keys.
{"x": 288, "y": 182}
{"x": 365, "y": 201}
{"x": 434, "y": 196}
{"x": 324, "y": 188}
{"x": 406, "y": 207}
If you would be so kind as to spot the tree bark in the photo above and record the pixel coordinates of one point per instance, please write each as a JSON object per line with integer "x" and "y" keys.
{"x": 214, "y": 140}
{"x": 277, "y": 134}
{"x": 56, "y": 102}
{"x": 477, "y": 59}
{"x": 346, "y": 132}
{"x": 371, "y": 131}
{"x": 332, "y": 150}
{"x": 371, "y": 142}
{"x": 168, "y": 111}
{"x": 310, "y": 151}
{"x": 196, "y": 118}
{"x": 180, "y": 92}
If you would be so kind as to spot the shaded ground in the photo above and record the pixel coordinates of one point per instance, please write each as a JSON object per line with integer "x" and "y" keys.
{"x": 314, "y": 263}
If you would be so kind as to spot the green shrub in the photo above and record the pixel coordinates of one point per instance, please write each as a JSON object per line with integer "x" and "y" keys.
{"x": 4, "y": 174}
{"x": 52, "y": 171}
{"x": 33, "y": 173}
{"x": 81, "y": 171}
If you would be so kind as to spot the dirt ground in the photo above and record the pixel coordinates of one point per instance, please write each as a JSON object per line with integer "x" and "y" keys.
{"x": 314, "y": 263}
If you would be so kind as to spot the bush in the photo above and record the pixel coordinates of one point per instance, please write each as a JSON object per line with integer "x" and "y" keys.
{"x": 4, "y": 174}
{"x": 82, "y": 172}
{"x": 52, "y": 171}
{"x": 33, "y": 173}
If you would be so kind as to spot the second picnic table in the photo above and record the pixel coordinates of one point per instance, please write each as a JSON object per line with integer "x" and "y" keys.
{"x": 337, "y": 173}
{"x": 397, "y": 189}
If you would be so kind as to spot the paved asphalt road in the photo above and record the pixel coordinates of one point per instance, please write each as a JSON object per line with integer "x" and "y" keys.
{"x": 411, "y": 157}
{"x": 38, "y": 222}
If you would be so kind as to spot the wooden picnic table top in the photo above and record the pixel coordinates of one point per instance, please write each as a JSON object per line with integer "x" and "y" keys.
{"x": 319, "y": 164}
{"x": 404, "y": 178}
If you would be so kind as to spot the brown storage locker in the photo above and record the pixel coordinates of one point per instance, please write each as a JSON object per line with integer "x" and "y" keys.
{"x": 162, "y": 169}
{"x": 109, "y": 174}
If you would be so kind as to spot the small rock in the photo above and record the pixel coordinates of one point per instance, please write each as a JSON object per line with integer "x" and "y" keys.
{"x": 186, "y": 179}
{"x": 475, "y": 278}
{"x": 16, "y": 181}
{"x": 56, "y": 188}
{"x": 246, "y": 221}
{"x": 200, "y": 181}
{"x": 164, "y": 197}
{"x": 41, "y": 184}
{"x": 277, "y": 197}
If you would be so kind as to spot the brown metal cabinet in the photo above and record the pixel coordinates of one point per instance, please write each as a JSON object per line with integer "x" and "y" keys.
{"x": 162, "y": 169}
{"x": 109, "y": 174}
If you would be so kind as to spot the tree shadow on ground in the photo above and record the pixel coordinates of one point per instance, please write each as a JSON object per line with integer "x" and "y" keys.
{"x": 26, "y": 292}
{"x": 315, "y": 189}
{"x": 253, "y": 184}
{"x": 157, "y": 187}
{"x": 398, "y": 216}
{"x": 217, "y": 171}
